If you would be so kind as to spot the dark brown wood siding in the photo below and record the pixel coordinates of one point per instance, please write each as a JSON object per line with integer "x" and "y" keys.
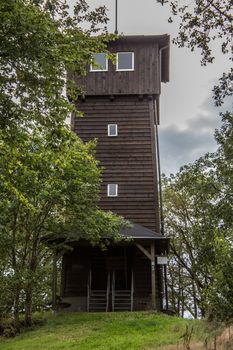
{"x": 145, "y": 79}
{"x": 79, "y": 262}
{"x": 128, "y": 159}
{"x": 76, "y": 266}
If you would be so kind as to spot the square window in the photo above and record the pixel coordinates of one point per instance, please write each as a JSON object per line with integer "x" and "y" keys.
{"x": 112, "y": 130}
{"x": 112, "y": 190}
{"x": 100, "y": 63}
{"x": 125, "y": 61}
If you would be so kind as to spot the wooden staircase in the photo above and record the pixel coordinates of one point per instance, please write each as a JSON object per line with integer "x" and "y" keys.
{"x": 122, "y": 300}
{"x": 98, "y": 300}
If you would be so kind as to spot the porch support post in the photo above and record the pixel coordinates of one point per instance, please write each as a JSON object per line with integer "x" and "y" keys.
{"x": 153, "y": 283}
{"x": 151, "y": 257}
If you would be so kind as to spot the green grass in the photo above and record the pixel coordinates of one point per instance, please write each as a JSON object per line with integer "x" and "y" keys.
{"x": 101, "y": 331}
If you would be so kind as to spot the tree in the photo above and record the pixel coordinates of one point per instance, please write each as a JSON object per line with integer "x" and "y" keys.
{"x": 47, "y": 192}
{"x": 201, "y": 23}
{"x": 198, "y": 209}
{"x": 49, "y": 178}
{"x": 39, "y": 43}
{"x": 198, "y": 198}
{"x": 219, "y": 295}
{"x": 188, "y": 198}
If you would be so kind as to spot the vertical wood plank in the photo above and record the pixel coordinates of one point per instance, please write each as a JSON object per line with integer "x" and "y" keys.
{"x": 142, "y": 81}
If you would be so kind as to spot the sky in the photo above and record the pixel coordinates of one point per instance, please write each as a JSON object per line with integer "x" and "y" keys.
{"x": 188, "y": 116}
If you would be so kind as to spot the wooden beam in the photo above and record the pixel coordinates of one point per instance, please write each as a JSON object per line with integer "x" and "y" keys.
{"x": 153, "y": 281}
{"x": 143, "y": 250}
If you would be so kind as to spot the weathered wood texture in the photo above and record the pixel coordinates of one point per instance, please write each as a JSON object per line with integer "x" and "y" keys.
{"x": 128, "y": 159}
{"x": 145, "y": 79}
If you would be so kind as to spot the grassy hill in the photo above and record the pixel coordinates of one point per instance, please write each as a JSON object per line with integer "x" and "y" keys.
{"x": 108, "y": 331}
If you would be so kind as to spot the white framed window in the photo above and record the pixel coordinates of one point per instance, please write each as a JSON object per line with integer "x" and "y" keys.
{"x": 125, "y": 61}
{"x": 112, "y": 130}
{"x": 112, "y": 190}
{"x": 100, "y": 63}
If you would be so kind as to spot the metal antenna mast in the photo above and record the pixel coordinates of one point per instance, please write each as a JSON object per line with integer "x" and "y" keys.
{"x": 116, "y": 29}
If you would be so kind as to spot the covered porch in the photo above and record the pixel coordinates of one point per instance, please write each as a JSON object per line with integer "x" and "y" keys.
{"x": 123, "y": 277}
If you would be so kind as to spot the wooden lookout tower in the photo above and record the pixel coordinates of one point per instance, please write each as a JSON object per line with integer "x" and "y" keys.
{"x": 121, "y": 110}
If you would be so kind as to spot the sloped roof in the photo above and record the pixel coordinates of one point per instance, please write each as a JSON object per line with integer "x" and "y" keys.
{"x": 137, "y": 231}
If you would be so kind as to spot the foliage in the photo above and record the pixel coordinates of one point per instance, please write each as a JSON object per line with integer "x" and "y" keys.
{"x": 199, "y": 211}
{"x": 200, "y": 24}
{"x": 38, "y": 44}
{"x": 198, "y": 200}
{"x": 46, "y": 192}
{"x": 219, "y": 294}
{"x": 110, "y": 331}
{"x": 49, "y": 179}
{"x": 189, "y": 214}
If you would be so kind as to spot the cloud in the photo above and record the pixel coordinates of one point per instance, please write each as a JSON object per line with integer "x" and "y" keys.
{"x": 182, "y": 146}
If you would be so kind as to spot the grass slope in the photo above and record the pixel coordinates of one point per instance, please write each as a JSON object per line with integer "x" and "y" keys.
{"x": 101, "y": 331}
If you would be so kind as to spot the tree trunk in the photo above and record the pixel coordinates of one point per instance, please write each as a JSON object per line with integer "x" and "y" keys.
{"x": 54, "y": 282}
{"x": 194, "y": 300}
{"x": 28, "y": 306}
{"x": 16, "y": 310}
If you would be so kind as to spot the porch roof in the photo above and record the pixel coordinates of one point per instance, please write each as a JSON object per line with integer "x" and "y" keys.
{"x": 137, "y": 231}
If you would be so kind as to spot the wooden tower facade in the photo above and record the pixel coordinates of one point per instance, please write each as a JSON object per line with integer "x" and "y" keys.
{"x": 121, "y": 110}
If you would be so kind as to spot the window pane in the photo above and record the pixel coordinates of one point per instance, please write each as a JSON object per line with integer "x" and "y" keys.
{"x": 125, "y": 61}
{"x": 112, "y": 129}
{"x": 100, "y": 62}
{"x": 112, "y": 190}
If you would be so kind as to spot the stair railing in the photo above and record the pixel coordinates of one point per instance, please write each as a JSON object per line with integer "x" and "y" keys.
{"x": 88, "y": 291}
{"x": 108, "y": 292}
{"x": 132, "y": 291}
{"x": 113, "y": 290}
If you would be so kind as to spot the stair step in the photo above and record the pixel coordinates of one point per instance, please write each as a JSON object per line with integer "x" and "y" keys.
{"x": 128, "y": 302}
{"x": 99, "y": 305}
{"x": 98, "y": 296}
{"x": 97, "y": 301}
{"x": 102, "y": 307}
